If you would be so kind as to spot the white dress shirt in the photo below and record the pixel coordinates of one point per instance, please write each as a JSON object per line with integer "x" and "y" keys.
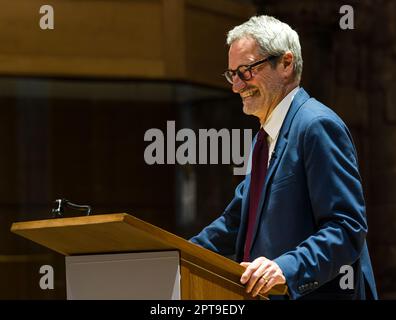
{"x": 274, "y": 123}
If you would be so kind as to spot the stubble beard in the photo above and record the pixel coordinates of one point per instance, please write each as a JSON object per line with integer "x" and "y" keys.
{"x": 253, "y": 105}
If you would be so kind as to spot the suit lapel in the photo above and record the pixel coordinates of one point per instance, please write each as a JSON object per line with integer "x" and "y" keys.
{"x": 299, "y": 99}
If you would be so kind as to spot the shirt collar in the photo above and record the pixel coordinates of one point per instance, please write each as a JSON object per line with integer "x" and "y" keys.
{"x": 274, "y": 123}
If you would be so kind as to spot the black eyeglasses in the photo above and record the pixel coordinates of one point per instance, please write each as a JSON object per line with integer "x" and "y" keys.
{"x": 244, "y": 72}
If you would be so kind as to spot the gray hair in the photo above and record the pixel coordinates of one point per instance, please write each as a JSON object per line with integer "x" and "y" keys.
{"x": 272, "y": 36}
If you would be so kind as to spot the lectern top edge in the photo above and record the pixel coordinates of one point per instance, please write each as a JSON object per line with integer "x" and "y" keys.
{"x": 60, "y": 222}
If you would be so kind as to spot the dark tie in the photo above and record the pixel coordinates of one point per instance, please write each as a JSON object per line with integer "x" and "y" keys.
{"x": 258, "y": 172}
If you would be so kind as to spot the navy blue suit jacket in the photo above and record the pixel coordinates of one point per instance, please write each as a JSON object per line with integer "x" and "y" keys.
{"x": 311, "y": 217}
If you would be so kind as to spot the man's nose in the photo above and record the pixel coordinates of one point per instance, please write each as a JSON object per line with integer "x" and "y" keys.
{"x": 237, "y": 84}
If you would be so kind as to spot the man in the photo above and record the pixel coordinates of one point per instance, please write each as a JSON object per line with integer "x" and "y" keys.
{"x": 298, "y": 217}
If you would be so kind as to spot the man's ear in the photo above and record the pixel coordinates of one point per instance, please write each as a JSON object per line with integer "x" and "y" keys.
{"x": 287, "y": 63}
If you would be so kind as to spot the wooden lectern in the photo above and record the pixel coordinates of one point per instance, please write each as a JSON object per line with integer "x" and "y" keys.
{"x": 117, "y": 256}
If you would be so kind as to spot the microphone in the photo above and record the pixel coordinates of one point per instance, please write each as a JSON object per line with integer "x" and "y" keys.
{"x": 60, "y": 204}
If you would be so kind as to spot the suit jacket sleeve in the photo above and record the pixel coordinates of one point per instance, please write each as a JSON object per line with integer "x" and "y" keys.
{"x": 220, "y": 236}
{"x": 336, "y": 195}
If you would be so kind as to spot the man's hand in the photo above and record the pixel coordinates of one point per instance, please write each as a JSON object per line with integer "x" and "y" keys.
{"x": 261, "y": 275}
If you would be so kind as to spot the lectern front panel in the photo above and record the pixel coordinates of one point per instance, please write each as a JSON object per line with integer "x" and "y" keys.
{"x": 134, "y": 276}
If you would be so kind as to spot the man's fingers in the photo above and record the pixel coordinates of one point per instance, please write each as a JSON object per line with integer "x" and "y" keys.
{"x": 276, "y": 278}
{"x": 256, "y": 276}
{"x": 251, "y": 268}
{"x": 261, "y": 275}
{"x": 246, "y": 275}
{"x": 272, "y": 282}
{"x": 260, "y": 284}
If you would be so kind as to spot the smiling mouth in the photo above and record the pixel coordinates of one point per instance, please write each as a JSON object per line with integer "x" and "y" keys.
{"x": 248, "y": 93}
